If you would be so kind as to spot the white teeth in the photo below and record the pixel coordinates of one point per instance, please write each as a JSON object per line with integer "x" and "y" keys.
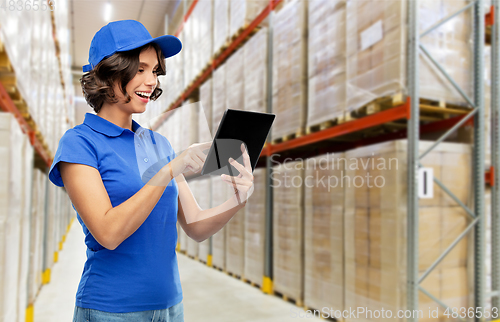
{"x": 144, "y": 94}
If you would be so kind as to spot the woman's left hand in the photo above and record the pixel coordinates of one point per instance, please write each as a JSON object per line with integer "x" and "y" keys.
{"x": 243, "y": 183}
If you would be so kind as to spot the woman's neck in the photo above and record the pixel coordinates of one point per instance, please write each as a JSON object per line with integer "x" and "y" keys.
{"x": 116, "y": 116}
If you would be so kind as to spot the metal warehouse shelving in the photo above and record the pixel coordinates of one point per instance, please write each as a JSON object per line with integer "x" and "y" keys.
{"x": 410, "y": 110}
{"x": 495, "y": 155}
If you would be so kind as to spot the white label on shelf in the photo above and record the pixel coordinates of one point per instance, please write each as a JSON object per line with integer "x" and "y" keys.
{"x": 372, "y": 35}
{"x": 426, "y": 183}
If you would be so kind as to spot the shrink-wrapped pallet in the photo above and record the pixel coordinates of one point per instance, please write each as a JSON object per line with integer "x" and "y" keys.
{"x": 198, "y": 32}
{"x": 51, "y": 227}
{"x": 255, "y": 229}
{"x": 235, "y": 96}
{"x": 324, "y": 232}
{"x": 189, "y": 125}
{"x": 235, "y": 243}
{"x": 221, "y": 24}
{"x": 290, "y": 69}
{"x": 256, "y": 63}
{"x": 220, "y": 192}
{"x": 36, "y": 242}
{"x": 375, "y": 230}
{"x": 182, "y": 238}
{"x": 242, "y": 12}
{"x": 327, "y": 60}
{"x": 204, "y": 200}
{"x": 205, "y": 115}
{"x": 218, "y": 96}
{"x": 376, "y": 50}
{"x": 173, "y": 83}
{"x": 193, "y": 245}
{"x": 235, "y": 228}
{"x": 11, "y": 194}
{"x": 190, "y": 57}
{"x": 288, "y": 222}
{"x": 25, "y": 236}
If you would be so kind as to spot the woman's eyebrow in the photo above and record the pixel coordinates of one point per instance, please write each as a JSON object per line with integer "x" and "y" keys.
{"x": 146, "y": 64}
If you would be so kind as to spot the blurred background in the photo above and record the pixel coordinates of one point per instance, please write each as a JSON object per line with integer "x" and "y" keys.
{"x": 376, "y": 188}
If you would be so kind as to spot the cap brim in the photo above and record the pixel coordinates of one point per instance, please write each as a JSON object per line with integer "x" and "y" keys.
{"x": 170, "y": 45}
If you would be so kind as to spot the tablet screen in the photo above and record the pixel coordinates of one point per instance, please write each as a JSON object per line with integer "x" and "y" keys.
{"x": 236, "y": 127}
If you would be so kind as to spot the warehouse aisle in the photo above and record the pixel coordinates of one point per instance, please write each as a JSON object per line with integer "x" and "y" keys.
{"x": 56, "y": 300}
{"x": 209, "y": 295}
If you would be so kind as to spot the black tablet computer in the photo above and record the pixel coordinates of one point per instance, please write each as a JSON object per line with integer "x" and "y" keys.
{"x": 236, "y": 127}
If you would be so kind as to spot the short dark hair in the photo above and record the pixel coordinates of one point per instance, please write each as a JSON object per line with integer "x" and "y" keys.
{"x": 97, "y": 84}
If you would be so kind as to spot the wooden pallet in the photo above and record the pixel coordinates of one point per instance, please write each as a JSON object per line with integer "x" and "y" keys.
{"x": 239, "y": 32}
{"x": 289, "y": 299}
{"x": 251, "y": 283}
{"x": 377, "y": 105}
{"x": 289, "y": 137}
{"x": 322, "y": 126}
{"x": 234, "y": 275}
{"x": 219, "y": 269}
{"x": 430, "y": 110}
{"x": 222, "y": 48}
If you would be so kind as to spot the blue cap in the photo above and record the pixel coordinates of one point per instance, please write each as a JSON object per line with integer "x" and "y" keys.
{"x": 124, "y": 35}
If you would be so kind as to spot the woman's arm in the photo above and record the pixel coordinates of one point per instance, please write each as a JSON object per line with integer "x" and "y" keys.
{"x": 110, "y": 225}
{"x": 201, "y": 224}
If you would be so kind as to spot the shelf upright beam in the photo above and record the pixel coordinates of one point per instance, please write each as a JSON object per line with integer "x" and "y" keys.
{"x": 478, "y": 162}
{"x": 495, "y": 157}
{"x": 413, "y": 135}
{"x": 267, "y": 286}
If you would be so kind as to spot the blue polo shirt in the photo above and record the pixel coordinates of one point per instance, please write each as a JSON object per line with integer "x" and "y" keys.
{"x": 142, "y": 272}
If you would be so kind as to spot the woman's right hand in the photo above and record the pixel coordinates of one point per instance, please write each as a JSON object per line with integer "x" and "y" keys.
{"x": 191, "y": 160}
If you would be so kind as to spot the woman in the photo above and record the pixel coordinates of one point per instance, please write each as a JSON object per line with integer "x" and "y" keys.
{"x": 131, "y": 272}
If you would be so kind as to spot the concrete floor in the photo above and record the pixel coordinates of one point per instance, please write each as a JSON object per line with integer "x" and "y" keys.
{"x": 209, "y": 295}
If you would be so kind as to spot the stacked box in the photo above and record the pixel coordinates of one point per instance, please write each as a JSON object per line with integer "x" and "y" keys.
{"x": 200, "y": 28}
{"x": 189, "y": 126}
{"x": 204, "y": 203}
{"x": 171, "y": 129}
{"x": 235, "y": 243}
{"x": 290, "y": 69}
{"x": 221, "y": 24}
{"x": 255, "y": 229}
{"x": 375, "y": 232}
{"x": 205, "y": 114}
{"x": 235, "y": 85}
{"x": 243, "y": 12}
{"x": 324, "y": 232}
{"x": 255, "y": 69}
{"x": 173, "y": 83}
{"x": 327, "y": 60}
{"x": 218, "y": 96}
{"x": 191, "y": 58}
{"x": 288, "y": 217}
{"x": 192, "y": 245}
{"x": 220, "y": 193}
{"x": 27, "y": 182}
{"x": 36, "y": 243}
{"x": 28, "y": 41}
{"x": 376, "y": 50}
{"x": 182, "y": 238}
{"x": 11, "y": 191}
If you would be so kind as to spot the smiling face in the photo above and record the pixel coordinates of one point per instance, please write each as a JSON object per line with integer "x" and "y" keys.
{"x": 142, "y": 85}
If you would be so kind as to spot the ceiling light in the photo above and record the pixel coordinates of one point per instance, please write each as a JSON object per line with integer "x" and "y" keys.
{"x": 107, "y": 11}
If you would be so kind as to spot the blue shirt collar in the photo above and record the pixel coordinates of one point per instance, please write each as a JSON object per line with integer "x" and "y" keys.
{"x": 101, "y": 125}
